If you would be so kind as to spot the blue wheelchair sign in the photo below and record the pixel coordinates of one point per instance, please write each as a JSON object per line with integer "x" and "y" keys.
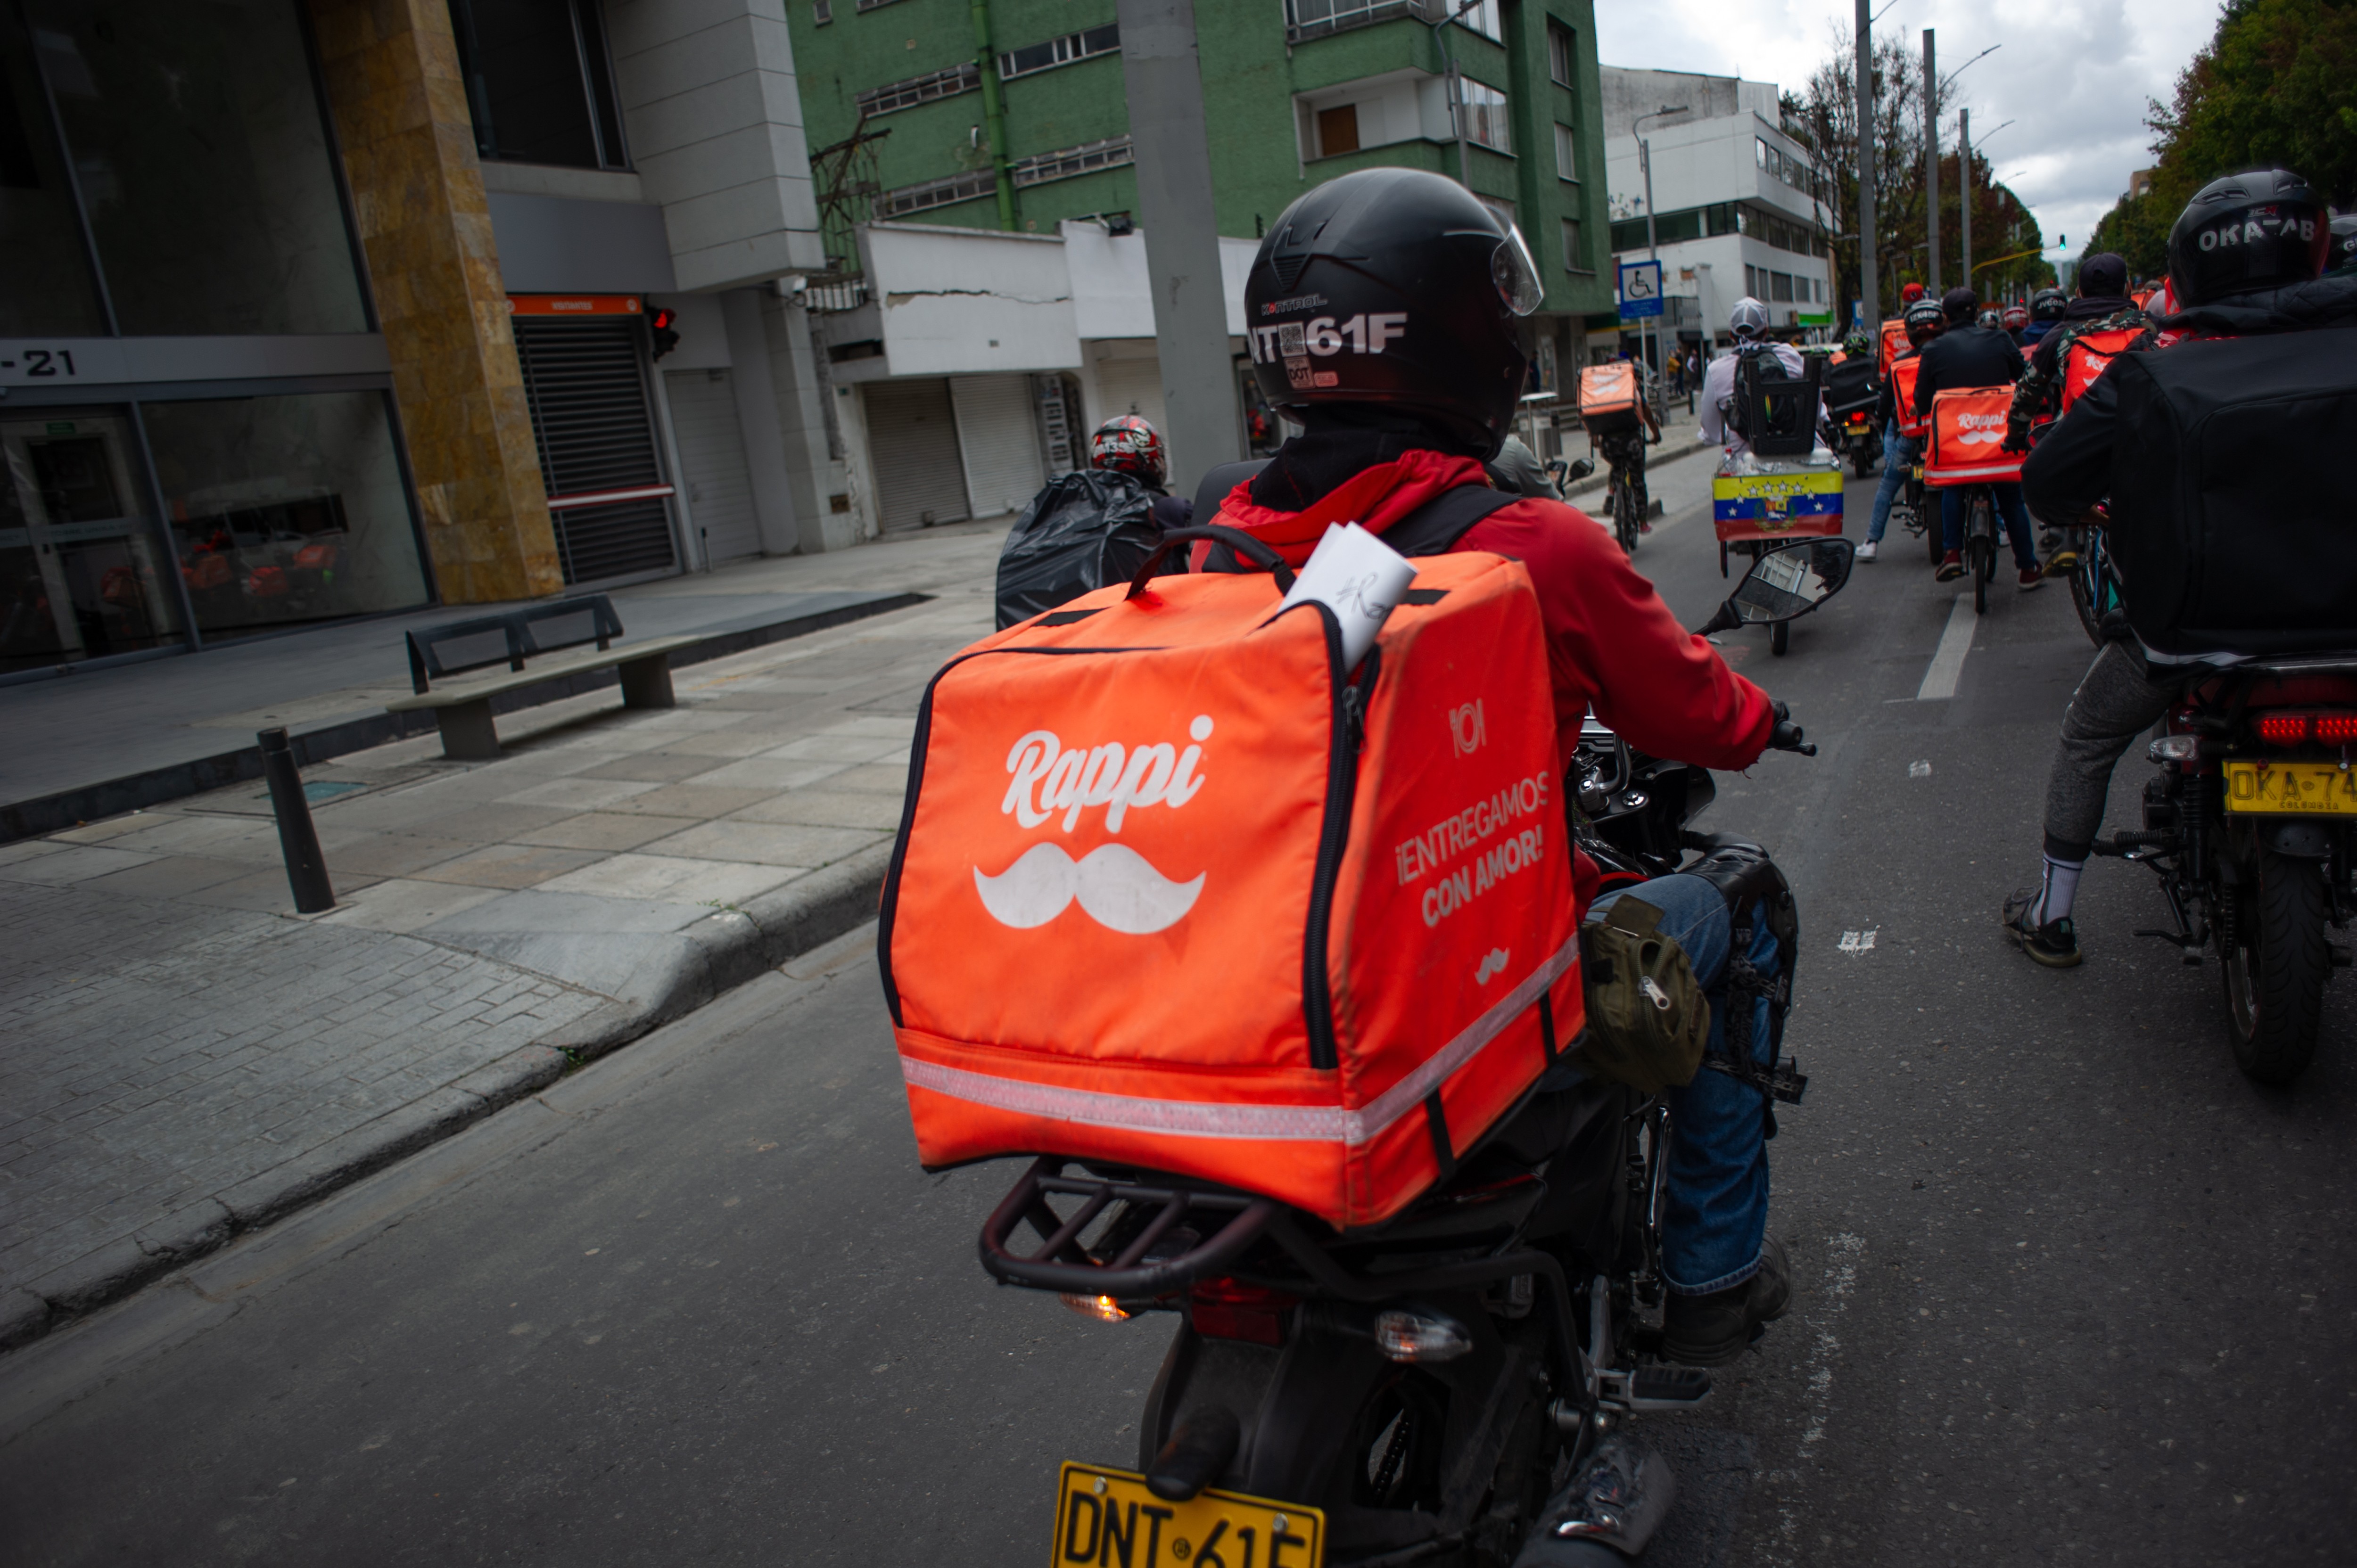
{"x": 1641, "y": 289}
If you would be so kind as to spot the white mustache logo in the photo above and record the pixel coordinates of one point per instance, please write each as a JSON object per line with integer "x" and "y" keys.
{"x": 1492, "y": 964}
{"x": 1117, "y": 886}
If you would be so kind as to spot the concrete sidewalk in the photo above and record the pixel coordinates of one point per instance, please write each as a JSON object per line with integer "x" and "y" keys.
{"x": 182, "y": 1060}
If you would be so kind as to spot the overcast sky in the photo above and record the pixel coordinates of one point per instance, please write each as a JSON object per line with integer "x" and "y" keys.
{"x": 2073, "y": 75}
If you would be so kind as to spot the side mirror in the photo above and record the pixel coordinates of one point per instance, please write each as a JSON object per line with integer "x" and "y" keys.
{"x": 1581, "y": 469}
{"x": 1786, "y": 582}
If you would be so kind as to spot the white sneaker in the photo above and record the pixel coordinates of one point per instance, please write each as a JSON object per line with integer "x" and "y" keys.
{"x": 1865, "y": 552}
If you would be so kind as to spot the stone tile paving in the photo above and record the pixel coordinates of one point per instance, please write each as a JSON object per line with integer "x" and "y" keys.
{"x": 180, "y": 1056}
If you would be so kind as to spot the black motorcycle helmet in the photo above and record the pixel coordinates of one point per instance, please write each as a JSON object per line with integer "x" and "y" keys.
{"x": 1396, "y": 288}
{"x": 2047, "y": 304}
{"x": 1925, "y": 320}
{"x": 2342, "y": 258}
{"x": 2261, "y": 229}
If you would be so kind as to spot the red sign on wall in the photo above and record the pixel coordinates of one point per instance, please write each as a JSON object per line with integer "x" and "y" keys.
{"x": 573, "y": 304}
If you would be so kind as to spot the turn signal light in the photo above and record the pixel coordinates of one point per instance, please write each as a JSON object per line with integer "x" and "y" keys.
{"x": 2174, "y": 749}
{"x": 1420, "y": 1336}
{"x": 1104, "y": 1309}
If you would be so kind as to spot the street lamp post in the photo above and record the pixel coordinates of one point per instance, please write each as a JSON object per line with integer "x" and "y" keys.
{"x": 1964, "y": 184}
{"x": 1931, "y": 163}
{"x": 1869, "y": 268}
{"x": 1645, "y": 162}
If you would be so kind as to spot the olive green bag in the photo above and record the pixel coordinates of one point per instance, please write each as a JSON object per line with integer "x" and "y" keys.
{"x": 1647, "y": 1018}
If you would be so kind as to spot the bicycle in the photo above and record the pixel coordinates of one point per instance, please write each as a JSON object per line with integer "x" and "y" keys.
{"x": 1980, "y": 541}
{"x": 2094, "y": 585}
{"x": 1624, "y": 507}
{"x": 1908, "y": 510}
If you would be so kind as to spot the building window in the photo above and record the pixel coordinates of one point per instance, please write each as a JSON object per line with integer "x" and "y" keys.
{"x": 1483, "y": 19}
{"x": 1485, "y": 116}
{"x": 1563, "y": 54}
{"x": 204, "y": 166}
{"x": 538, "y": 82}
{"x": 822, "y": 12}
{"x": 1317, "y": 19}
{"x": 1567, "y": 154}
{"x": 1086, "y": 159}
{"x": 1750, "y": 280}
{"x": 1780, "y": 287}
{"x": 1061, "y": 51}
{"x": 1337, "y": 130}
{"x": 927, "y": 194}
{"x": 947, "y": 83}
{"x": 1574, "y": 250}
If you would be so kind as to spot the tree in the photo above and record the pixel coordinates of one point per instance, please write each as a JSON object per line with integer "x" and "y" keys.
{"x": 1827, "y": 111}
{"x": 2273, "y": 87}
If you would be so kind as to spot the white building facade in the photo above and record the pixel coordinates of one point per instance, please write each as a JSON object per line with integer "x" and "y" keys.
{"x": 1736, "y": 200}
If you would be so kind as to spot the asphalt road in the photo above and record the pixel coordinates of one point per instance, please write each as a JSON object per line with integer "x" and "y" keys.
{"x": 2071, "y": 1290}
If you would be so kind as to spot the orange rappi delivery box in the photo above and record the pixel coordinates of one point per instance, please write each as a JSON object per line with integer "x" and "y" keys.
{"x": 1174, "y": 890}
{"x": 1969, "y": 438}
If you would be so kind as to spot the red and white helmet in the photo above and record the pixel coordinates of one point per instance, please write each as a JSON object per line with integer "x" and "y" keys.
{"x": 1130, "y": 444}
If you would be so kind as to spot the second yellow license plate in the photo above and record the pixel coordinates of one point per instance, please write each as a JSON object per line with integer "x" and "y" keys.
{"x": 1107, "y": 1518}
{"x": 2303, "y": 789}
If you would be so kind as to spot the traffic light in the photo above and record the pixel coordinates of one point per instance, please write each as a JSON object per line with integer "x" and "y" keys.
{"x": 659, "y": 321}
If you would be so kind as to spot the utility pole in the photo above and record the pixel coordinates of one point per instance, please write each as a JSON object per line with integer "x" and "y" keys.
{"x": 1652, "y": 245}
{"x": 1870, "y": 257}
{"x": 1164, "y": 78}
{"x": 1930, "y": 165}
{"x": 1964, "y": 184}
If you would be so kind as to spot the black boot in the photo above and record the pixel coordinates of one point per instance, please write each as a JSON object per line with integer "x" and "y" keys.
{"x": 1712, "y": 1330}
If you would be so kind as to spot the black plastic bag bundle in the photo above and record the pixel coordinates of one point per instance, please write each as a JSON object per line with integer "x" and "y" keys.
{"x": 1089, "y": 529}
{"x": 1849, "y": 385}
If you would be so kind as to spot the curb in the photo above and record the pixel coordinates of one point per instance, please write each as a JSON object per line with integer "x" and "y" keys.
{"x": 136, "y": 791}
{"x": 725, "y": 951}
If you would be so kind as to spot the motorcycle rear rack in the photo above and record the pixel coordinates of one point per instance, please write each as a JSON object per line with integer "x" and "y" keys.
{"x": 1063, "y": 1265}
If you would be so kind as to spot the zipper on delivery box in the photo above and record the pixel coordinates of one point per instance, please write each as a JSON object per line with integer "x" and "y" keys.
{"x": 1350, "y": 733}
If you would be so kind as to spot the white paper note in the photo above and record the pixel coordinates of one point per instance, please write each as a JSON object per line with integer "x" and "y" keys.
{"x": 1359, "y": 578}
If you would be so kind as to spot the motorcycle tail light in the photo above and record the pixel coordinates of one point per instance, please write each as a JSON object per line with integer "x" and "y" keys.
{"x": 1104, "y": 1309}
{"x": 1231, "y": 1309}
{"x": 1420, "y": 1336}
{"x": 2174, "y": 749}
{"x": 2336, "y": 729}
{"x": 2282, "y": 729}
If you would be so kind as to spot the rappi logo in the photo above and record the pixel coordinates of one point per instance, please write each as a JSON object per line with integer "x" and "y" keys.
{"x": 1117, "y": 887}
{"x": 1979, "y": 429}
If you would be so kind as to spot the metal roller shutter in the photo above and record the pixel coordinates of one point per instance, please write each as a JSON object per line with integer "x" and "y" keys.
{"x": 1000, "y": 438}
{"x": 912, "y": 441}
{"x": 712, "y": 463}
{"x": 596, "y": 434}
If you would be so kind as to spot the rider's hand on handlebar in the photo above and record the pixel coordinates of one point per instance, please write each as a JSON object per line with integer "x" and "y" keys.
{"x": 1786, "y": 735}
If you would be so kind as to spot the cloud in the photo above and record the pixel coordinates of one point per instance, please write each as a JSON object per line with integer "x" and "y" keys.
{"x": 2073, "y": 76}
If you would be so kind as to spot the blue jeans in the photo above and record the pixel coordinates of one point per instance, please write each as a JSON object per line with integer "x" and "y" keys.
{"x": 1717, "y": 1188}
{"x": 2008, "y": 507}
{"x": 1898, "y": 454}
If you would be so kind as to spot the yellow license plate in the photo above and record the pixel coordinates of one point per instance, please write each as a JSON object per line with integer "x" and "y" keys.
{"x": 1107, "y": 1518}
{"x": 2305, "y": 788}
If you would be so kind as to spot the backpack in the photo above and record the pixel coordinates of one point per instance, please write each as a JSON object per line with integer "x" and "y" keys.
{"x": 1848, "y": 385}
{"x": 1609, "y": 395}
{"x": 1773, "y": 410}
{"x": 1173, "y": 889}
{"x": 1894, "y": 343}
{"x": 2087, "y": 357}
{"x": 2231, "y": 525}
{"x": 1902, "y": 390}
{"x": 1967, "y": 444}
{"x": 1084, "y": 529}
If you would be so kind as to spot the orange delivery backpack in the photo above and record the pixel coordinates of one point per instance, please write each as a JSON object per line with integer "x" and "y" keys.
{"x": 2079, "y": 370}
{"x": 1894, "y": 343}
{"x": 1607, "y": 397}
{"x": 1172, "y": 889}
{"x": 1902, "y": 390}
{"x": 1969, "y": 438}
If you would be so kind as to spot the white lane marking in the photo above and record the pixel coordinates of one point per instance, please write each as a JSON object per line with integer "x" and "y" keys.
{"x": 1855, "y": 943}
{"x": 1948, "y": 662}
{"x": 1841, "y": 1278}
{"x": 1918, "y": 770}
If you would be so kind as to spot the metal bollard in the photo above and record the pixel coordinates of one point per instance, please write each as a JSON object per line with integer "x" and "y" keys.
{"x": 306, "y": 868}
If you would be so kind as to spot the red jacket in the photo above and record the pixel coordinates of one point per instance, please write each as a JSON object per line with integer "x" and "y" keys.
{"x": 1612, "y": 644}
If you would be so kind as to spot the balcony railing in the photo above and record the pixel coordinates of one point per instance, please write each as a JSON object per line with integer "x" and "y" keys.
{"x": 1317, "y": 18}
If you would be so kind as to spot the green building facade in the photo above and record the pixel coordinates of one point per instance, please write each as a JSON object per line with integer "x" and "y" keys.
{"x": 1010, "y": 114}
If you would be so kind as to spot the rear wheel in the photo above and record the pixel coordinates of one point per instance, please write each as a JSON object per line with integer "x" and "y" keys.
{"x": 2274, "y": 958}
{"x": 1780, "y": 638}
{"x": 1981, "y": 540}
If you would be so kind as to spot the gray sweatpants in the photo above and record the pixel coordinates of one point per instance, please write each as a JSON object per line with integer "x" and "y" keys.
{"x": 2117, "y": 701}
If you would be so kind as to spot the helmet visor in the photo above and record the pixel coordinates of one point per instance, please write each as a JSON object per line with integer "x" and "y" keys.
{"x": 1516, "y": 275}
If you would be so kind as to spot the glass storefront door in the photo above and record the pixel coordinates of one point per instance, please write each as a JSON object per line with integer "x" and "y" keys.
{"x": 80, "y": 573}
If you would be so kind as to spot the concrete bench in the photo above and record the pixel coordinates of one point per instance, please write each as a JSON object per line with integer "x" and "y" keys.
{"x": 514, "y": 638}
